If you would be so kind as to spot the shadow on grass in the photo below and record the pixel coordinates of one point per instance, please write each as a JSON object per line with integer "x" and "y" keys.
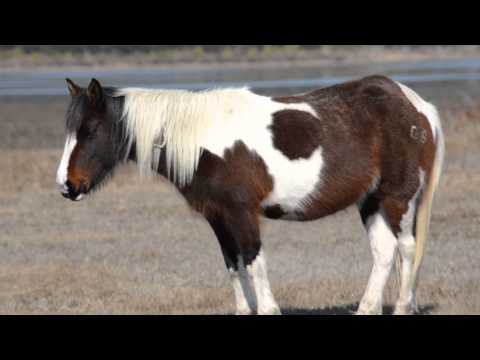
{"x": 348, "y": 310}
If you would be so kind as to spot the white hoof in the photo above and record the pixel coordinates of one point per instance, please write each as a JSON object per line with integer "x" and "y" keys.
{"x": 405, "y": 309}
{"x": 244, "y": 312}
{"x": 369, "y": 310}
{"x": 270, "y": 311}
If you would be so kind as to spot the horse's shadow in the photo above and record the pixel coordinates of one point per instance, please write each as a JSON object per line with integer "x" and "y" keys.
{"x": 348, "y": 309}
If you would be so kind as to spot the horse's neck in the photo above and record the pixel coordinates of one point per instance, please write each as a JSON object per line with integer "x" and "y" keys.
{"x": 162, "y": 161}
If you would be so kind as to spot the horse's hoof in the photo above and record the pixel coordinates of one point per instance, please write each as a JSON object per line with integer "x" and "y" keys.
{"x": 405, "y": 310}
{"x": 271, "y": 311}
{"x": 244, "y": 312}
{"x": 374, "y": 310}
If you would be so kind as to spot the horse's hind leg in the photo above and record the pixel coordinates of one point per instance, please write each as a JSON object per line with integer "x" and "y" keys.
{"x": 239, "y": 236}
{"x": 390, "y": 223}
{"x": 383, "y": 245}
{"x": 406, "y": 303}
{"x": 406, "y": 300}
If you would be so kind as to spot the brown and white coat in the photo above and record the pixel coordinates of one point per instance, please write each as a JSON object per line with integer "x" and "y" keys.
{"x": 236, "y": 156}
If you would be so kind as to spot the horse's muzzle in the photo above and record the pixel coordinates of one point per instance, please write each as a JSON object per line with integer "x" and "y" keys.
{"x": 70, "y": 192}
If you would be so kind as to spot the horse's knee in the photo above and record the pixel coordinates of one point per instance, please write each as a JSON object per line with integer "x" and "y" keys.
{"x": 250, "y": 251}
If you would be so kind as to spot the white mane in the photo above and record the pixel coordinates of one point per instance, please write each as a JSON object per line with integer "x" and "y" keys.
{"x": 178, "y": 119}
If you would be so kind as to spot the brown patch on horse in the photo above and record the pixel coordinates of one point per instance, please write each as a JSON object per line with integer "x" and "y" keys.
{"x": 228, "y": 192}
{"x": 239, "y": 180}
{"x": 394, "y": 209}
{"x": 297, "y": 134}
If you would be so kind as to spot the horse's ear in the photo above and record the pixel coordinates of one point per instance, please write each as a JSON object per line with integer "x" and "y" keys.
{"x": 95, "y": 92}
{"x": 73, "y": 88}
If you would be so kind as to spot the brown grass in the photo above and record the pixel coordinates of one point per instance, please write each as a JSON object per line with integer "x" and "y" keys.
{"x": 237, "y": 56}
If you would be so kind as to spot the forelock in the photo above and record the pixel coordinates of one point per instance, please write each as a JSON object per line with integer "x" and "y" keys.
{"x": 75, "y": 113}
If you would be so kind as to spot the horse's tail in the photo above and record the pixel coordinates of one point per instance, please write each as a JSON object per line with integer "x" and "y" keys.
{"x": 426, "y": 198}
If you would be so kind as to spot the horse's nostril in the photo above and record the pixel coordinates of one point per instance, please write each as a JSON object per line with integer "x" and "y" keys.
{"x": 72, "y": 192}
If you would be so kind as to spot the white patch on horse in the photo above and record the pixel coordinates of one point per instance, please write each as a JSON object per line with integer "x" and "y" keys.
{"x": 383, "y": 245}
{"x": 266, "y": 304}
{"x": 293, "y": 180}
{"x": 62, "y": 172}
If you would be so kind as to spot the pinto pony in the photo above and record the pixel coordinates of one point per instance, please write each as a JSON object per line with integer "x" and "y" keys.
{"x": 235, "y": 156}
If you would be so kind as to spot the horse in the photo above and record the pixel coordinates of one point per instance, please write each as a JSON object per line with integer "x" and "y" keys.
{"x": 237, "y": 156}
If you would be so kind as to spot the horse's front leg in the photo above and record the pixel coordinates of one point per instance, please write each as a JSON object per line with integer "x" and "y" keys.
{"x": 238, "y": 233}
{"x": 244, "y": 296}
{"x": 257, "y": 271}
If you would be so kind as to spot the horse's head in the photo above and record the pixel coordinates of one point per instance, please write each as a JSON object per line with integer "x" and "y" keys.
{"x": 91, "y": 149}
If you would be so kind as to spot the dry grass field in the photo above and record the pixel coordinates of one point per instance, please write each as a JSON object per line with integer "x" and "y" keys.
{"x": 20, "y": 58}
{"x": 136, "y": 248}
